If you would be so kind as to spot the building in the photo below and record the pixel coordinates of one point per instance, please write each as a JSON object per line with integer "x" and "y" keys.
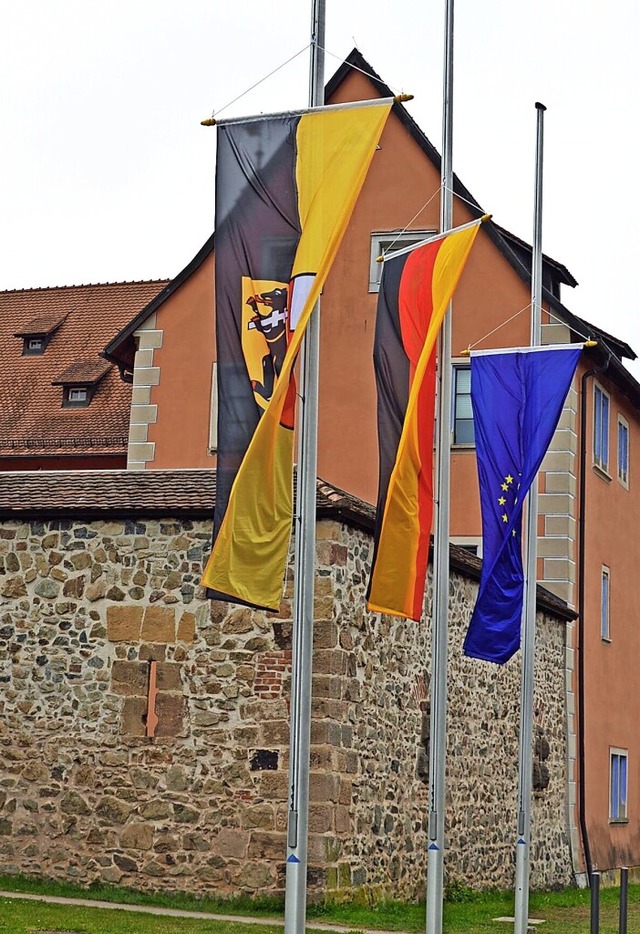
{"x": 588, "y": 512}
{"x": 62, "y": 405}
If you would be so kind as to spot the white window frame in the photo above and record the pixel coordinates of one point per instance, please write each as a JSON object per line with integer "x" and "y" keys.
{"x": 605, "y": 604}
{"x": 389, "y": 241}
{"x": 213, "y": 410}
{"x": 601, "y": 403}
{"x": 77, "y": 395}
{"x": 618, "y": 796}
{"x": 623, "y": 468}
{"x": 458, "y": 364}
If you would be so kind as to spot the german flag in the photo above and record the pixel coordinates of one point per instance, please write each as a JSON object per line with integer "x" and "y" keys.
{"x": 286, "y": 186}
{"x": 415, "y": 291}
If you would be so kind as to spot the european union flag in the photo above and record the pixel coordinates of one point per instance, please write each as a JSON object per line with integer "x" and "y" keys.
{"x": 517, "y": 399}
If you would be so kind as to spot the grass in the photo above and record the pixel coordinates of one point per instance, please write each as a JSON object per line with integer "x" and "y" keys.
{"x": 565, "y": 912}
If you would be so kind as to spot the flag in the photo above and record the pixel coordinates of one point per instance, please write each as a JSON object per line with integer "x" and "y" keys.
{"x": 415, "y": 291}
{"x": 517, "y": 398}
{"x": 286, "y": 186}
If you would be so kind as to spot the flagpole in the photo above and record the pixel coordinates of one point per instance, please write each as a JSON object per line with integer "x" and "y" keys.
{"x": 440, "y": 611}
{"x": 525, "y": 766}
{"x": 304, "y": 570}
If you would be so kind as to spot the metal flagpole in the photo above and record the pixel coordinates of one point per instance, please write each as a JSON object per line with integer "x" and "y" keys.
{"x": 305, "y": 547}
{"x": 440, "y": 612}
{"x": 525, "y": 764}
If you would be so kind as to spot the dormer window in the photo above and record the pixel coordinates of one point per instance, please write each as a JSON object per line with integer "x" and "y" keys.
{"x": 79, "y": 382}
{"x": 37, "y": 333}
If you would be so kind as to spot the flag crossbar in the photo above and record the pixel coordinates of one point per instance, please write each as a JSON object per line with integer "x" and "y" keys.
{"x": 432, "y": 239}
{"x": 491, "y": 351}
{"x": 348, "y": 105}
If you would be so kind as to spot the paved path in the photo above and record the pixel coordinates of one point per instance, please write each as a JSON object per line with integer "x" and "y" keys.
{"x": 177, "y": 913}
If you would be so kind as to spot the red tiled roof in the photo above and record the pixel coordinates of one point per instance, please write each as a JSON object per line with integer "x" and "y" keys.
{"x": 44, "y": 324}
{"x": 32, "y": 419}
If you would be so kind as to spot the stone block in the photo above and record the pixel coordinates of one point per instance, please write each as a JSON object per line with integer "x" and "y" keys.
{"x": 168, "y": 676}
{"x": 325, "y": 634}
{"x": 123, "y": 623}
{"x": 137, "y": 836}
{"x": 260, "y": 816}
{"x": 134, "y": 716}
{"x": 320, "y": 818}
{"x": 113, "y": 809}
{"x": 130, "y": 678}
{"x": 231, "y": 842}
{"x": 146, "y": 376}
{"x": 186, "y": 627}
{"x": 267, "y": 845}
{"x": 171, "y": 710}
{"x": 149, "y": 339}
{"x": 274, "y": 733}
{"x": 159, "y": 624}
{"x": 273, "y": 786}
{"x": 324, "y": 787}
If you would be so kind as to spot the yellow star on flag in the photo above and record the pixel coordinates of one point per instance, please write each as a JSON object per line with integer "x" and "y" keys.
{"x": 502, "y": 501}
{"x": 509, "y": 478}
{"x": 505, "y": 517}
{"x": 504, "y": 486}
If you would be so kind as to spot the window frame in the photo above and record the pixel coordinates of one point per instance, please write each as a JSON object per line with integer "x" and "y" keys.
{"x": 69, "y": 403}
{"x": 600, "y": 438}
{"x": 40, "y": 345}
{"x": 605, "y": 604}
{"x": 213, "y": 410}
{"x": 399, "y": 239}
{"x": 623, "y": 475}
{"x": 616, "y": 786}
{"x": 456, "y": 366}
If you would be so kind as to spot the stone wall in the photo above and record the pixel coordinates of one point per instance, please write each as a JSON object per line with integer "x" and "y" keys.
{"x": 92, "y": 613}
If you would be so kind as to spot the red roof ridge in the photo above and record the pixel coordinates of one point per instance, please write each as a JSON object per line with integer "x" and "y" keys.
{"x": 84, "y": 285}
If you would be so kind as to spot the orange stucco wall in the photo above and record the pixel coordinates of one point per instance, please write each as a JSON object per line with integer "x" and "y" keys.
{"x": 183, "y": 395}
{"x": 612, "y": 514}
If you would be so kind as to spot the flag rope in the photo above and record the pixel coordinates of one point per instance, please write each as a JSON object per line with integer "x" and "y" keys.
{"x": 464, "y": 353}
{"x": 265, "y": 78}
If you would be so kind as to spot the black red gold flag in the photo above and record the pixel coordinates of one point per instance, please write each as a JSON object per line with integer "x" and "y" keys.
{"x": 286, "y": 186}
{"x": 415, "y": 291}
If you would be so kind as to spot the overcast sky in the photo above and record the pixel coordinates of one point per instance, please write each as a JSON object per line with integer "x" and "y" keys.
{"x": 106, "y": 173}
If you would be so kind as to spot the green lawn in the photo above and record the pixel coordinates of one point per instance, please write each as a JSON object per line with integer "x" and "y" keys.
{"x": 564, "y": 912}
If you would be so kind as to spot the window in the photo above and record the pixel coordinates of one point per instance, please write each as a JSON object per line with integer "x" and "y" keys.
{"x": 600, "y": 428}
{"x": 389, "y": 242}
{"x": 623, "y": 451}
{"x": 462, "y": 411}
{"x": 33, "y": 346}
{"x": 605, "y": 595}
{"x": 76, "y": 397}
{"x": 618, "y": 785}
{"x": 213, "y": 411}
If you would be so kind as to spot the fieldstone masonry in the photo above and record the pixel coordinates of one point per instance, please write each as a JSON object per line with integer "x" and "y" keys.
{"x": 85, "y": 794}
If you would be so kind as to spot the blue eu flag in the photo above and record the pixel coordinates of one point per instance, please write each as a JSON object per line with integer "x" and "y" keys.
{"x": 517, "y": 399}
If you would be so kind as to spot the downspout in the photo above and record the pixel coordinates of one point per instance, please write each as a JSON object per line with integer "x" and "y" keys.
{"x": 581, "y": 604}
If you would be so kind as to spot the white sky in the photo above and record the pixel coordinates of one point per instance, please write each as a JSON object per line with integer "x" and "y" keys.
{"x": 106, "y": 174}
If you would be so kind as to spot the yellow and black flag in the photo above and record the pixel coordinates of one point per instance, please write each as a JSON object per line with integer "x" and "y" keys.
{"x": 286, "y": 186}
